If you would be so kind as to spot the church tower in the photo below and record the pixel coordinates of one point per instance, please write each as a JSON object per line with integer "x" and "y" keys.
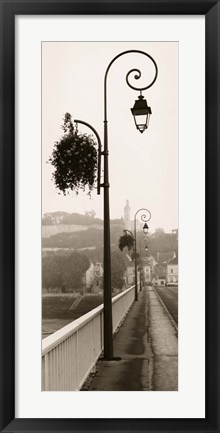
{"x": 127, "y": 219}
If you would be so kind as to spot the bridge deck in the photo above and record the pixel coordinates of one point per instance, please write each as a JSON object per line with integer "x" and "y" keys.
{"x": 147, "y": 345}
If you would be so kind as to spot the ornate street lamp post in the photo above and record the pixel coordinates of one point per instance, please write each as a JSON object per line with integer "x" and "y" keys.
{"x": 108, "y": 333}
{"x": 141, "y": 113}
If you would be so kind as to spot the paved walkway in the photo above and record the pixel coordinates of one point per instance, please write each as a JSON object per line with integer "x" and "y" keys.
{"x": 147, "y": 346}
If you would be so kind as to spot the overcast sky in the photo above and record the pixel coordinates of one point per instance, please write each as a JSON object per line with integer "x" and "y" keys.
{"x": 143, "y": 168}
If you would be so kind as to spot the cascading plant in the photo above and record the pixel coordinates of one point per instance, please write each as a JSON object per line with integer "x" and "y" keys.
{"x": 75, "y": 160}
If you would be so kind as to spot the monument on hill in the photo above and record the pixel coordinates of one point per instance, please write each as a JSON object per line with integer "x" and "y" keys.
{"x": 127, "y": 217}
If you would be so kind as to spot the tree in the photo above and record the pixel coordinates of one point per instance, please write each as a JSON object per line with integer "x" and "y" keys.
{"x": 90, "y": 213}
{"x": 118, "y": 268}
{"x": 64, "y": 271}
{"x": 162, "y": 242}
{"x": 76, "y": 266}
{"x": 159, "y": 231}
{"x": 52, "y": 272}
{"x": 75, "y": 160}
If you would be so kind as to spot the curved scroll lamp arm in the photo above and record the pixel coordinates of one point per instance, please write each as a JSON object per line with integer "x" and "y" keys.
{"x": 99, "y": 150}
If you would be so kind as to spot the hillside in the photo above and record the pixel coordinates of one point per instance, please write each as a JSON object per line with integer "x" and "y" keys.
{"x": 56, "y": 218}
{"x": 92, "y": 237}
{"x": 65, "y": 218}
{"x": 62, "y": 222}
{"x": 86, "y": 232}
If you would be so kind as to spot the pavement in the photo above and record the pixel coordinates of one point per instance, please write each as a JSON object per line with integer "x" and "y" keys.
{"x": 147, "y": 344}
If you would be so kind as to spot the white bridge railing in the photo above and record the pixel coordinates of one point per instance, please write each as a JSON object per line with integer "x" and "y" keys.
{"x": 70, "y": 354}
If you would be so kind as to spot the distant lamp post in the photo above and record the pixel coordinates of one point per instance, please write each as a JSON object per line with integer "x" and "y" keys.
{"x": 145, "y": 218}
{"x": 141, "y": 113}
{"x": 141, "y": 261}
{"x": 143, "y": 239}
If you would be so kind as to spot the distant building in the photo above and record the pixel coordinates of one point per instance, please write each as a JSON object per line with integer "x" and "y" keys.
{"x": 53, "y": 218}
{"x": 172, "y": 272}
{"x": 159, "y": 275}
{"x": 92, "y": 278}
{"x": 147, "y": 273}
{"x": 158, "y": 281}
{"x": 165, "y": 269}
{"x": 175, "y": 232}
{"x": 152, "y": 262}
{"x": 98, "y": 278}
{"x": 130, "y": 275}
{"x": 89, "y": 277}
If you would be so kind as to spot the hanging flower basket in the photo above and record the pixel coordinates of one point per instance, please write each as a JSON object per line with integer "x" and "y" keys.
{"x": 126, "y": 241}
{"x": 75, "y": 160}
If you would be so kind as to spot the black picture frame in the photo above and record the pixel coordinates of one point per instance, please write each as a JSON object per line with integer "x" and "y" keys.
{"x": 9, "y": 9}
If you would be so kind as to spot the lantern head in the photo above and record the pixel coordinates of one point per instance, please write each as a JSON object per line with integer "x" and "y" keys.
{"x": 145, "y": 228}
{"x": 141, "y": 113}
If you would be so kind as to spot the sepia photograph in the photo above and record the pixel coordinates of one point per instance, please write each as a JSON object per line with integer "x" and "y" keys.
{"x": 110, "y": 205}
{"x": 109, "y": 216}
